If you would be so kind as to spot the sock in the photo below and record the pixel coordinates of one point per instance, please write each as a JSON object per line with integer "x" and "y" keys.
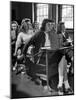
{"x": 60, "y": 81}
{"x": 66, "y": 84}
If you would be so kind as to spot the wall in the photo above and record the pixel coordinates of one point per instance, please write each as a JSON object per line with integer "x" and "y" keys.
{"x": 20, "y": 10}
{"x": 55, "y": 12}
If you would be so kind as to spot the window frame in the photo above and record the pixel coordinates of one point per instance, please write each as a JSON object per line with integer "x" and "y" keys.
{"x": 68, "y": 28}
{"x": 45, "y": 15}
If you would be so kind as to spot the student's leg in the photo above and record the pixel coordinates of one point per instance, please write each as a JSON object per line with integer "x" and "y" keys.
{"x": 60, "y": 71}
{"x": 33, "y": 69}
{"x": 68, "y": 90}
{"x": 66, "y": 83}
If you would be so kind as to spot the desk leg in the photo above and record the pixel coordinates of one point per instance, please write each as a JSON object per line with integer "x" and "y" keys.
{"x": 47, "y": 70}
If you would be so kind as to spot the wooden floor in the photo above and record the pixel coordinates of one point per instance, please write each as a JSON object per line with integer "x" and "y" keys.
{"x": 23, "y": 87}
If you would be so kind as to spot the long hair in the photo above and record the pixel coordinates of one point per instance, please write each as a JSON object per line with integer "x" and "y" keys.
{"x": 45, "y": 21}
{"x": 25, "y": 20}
{"x": 17, "y": 29}
{"x": 15, "y": 22}
{"x": 24, "y": 25}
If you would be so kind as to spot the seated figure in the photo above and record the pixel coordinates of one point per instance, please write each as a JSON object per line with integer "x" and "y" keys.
{"x": 47, "y": 37}
{"x": 67, "y": 41}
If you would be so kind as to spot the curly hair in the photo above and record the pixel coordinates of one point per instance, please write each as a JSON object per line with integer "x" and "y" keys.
{"x": 24, "y": 25}
{"x": 25, "y": 20}
{"x": 17, "y": 29}
{"x": 15, "y": 22}
{"x": 45, "y": 21}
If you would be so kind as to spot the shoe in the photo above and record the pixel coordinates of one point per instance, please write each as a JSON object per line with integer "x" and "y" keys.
{"x": 47, "y": 88}
{"x": 38, "y": 81}
{"x": 60, "y": 90}
{"x": 68, "y": 91}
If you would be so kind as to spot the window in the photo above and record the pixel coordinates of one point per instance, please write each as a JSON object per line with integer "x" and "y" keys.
{"x": 42, "y": 12}
{"x": 67, "y": 16}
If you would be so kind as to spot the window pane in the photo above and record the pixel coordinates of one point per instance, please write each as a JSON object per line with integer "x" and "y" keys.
{"x": 37, "y": 12}
{"x": 67, "y": 15}
{"x": 69, "y": 12}
{"x": 64, "y": 13}
{"x": 42, "y": 12}
{"x": 69, "y": 24}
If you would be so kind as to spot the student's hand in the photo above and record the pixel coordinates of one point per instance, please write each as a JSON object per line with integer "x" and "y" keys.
{"x": 65, "y": 44}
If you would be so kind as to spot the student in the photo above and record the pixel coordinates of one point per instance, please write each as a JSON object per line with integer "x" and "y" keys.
{"x": 14, "y": 33}
{"x": 47, "y": 37}
{"x": 35, "y": 27}
{"x": 25, "y": 33}
{"x": 66, "y": 41}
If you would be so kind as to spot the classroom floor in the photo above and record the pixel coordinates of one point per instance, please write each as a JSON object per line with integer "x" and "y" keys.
{"x": 23, "y": 87}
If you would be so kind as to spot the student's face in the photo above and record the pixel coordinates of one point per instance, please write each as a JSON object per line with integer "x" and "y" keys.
{"x": 14, "y": 26}
{"x": 26, "y": 26}
{"x": 63, "y": 27}
{"x": 50, "y": 26}
{"x": 29, "y": 25}
{"x": 36, "y": 25}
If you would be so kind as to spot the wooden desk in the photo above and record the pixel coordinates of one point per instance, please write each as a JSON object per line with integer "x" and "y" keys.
{"x": 47, "y": 50}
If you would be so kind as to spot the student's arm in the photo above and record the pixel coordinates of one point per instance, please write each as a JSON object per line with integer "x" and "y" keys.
{"x": 68, "y": 40}
{"x": 18, "y": 43}
{"x": 32, "y": 41}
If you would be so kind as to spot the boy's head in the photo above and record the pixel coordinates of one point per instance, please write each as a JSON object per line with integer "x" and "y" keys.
{"x": 47, "y": 25}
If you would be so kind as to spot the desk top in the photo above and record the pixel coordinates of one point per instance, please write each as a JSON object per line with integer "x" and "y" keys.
{"x": 62, "y": 48}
